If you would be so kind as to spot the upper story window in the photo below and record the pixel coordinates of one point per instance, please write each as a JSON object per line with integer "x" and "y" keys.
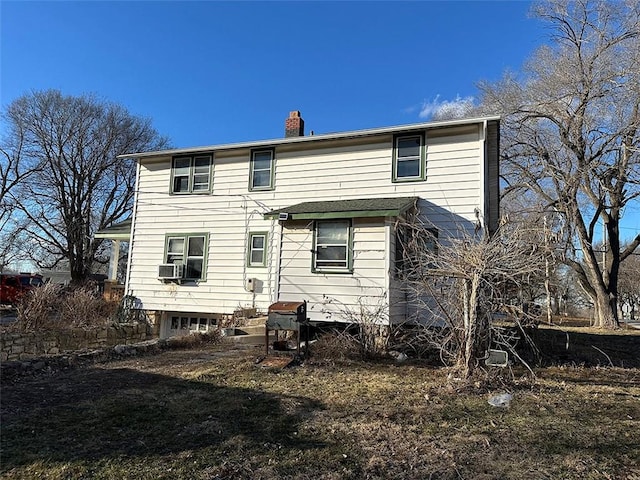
{"x": 190, "y": 251}
{"x": 191, "y": 174}
{"x": 261, "y": 170}
{"x": 333, "y": 246}
{"x": 408, "y": 158}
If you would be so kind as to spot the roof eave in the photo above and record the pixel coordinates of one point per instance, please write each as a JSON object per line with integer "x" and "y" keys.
{"x": 334, "y": 215}
{"x": 309, "y": 138}
{"x": 113, "y": 236}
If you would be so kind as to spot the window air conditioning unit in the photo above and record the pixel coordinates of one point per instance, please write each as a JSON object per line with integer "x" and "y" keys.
{"x": 170, "y": 271}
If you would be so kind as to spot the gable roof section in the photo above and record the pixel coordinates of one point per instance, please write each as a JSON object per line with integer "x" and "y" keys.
{"x": 311, "y": 138}
{"x": 358, "y": 208}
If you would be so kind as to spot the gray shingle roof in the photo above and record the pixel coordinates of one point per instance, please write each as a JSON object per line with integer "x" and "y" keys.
{"x": 356, "y": 208}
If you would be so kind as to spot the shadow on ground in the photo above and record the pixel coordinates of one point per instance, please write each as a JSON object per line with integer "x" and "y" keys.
{"x": 94, "y": 413}
{"x": 560, "y": 347}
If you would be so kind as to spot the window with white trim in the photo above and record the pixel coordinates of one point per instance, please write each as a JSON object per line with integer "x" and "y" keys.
{"x": 188, "y": 250}
{"x": 193, "y": 324}
{"x": 333, "y": 245}
{"x": 257, "y": 254}
{"x": 261, "y": 170}
{"x": 408, "y": 161}
{"x": 191, "y": 174}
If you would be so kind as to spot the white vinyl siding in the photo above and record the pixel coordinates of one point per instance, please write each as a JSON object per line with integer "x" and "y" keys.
{"x": 348, "y": 169}
{"x": 331, "y": 295}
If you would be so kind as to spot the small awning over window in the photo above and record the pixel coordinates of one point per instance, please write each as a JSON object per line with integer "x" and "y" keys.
{"x": 117, "y": 231}
{"x": 359, "y": 208}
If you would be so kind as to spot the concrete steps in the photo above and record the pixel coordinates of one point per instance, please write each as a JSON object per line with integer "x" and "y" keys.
{"x": 250, "y": 330}
{"x": 252, "y": 333}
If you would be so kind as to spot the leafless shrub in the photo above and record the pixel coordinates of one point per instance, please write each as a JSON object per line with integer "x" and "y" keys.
{"x": 457, "y": 287}
{"x": 51, "y": 307}
{"x": 39, "y": 308}
{"x": 196, "y": 339}
{"x": 84, "y": 307}
{"x": 366, "y": 324}
{"x": 338, "y": 344}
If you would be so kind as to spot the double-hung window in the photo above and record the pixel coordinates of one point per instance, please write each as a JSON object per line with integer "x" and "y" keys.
{"x": 191, "y": 174}
{"x": 188, "y": 250}
{"x": 408, "y": 158}
{"x": 261, "y": 169}
{"x": 333, "y": 246}
{"x": 257, "y": 254}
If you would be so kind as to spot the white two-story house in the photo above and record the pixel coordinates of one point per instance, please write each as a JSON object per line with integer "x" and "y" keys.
{"x": 301, "y": 218}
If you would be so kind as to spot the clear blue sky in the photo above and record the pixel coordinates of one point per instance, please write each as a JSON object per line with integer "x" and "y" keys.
{"x": 219, "y": 72}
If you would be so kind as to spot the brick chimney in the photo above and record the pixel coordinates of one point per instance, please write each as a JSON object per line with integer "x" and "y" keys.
{"x": 294, "y": 125}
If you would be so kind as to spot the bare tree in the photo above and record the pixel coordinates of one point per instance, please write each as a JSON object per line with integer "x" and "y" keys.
{"x": 571, "y": 133}
{"x": 13, "y": 170}
{"x": 79, "y": 185}
{"x": 459, "y": 285}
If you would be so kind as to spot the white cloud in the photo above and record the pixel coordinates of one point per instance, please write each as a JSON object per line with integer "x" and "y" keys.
{"x": 446, "y": 109}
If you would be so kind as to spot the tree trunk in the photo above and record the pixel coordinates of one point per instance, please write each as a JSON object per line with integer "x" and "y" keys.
{"x": 470, "y": 350}
{"x": 605, "y": 310}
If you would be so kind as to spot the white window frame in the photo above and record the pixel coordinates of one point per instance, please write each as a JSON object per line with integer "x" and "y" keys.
{"x": 190, "y": 323}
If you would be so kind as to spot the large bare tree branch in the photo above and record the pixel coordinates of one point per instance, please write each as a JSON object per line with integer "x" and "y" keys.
{"x": 570, "y": 132}
{"x": 79, "y": 186}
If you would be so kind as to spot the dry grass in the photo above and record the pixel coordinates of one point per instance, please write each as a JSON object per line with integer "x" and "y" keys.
{"x": 52, "y": 307}
{"x": 212, "y": 413}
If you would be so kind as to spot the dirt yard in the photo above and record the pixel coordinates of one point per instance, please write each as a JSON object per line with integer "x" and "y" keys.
{"x": 213, "y": 413}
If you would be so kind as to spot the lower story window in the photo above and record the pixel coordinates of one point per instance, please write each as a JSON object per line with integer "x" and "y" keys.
{"x": 190, "y": 251}
{"x": 193, "y": 324}
{"x": 257, "y": 254}
{"x": 333, "y": 245}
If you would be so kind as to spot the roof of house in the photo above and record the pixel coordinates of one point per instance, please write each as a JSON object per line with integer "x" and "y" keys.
{"x": 311, "y": 138}
{"x": 357, "y": 208}
{"x": 117, "y": 231}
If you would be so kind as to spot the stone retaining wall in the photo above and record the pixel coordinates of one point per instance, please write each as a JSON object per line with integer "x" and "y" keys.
{"x": 27, "y": 346}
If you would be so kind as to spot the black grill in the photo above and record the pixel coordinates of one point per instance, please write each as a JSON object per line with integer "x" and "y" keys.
{"x": 286, "y": 316}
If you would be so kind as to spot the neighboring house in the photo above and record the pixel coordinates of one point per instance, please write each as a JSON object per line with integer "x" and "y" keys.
{"x": 312, "y": 217}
